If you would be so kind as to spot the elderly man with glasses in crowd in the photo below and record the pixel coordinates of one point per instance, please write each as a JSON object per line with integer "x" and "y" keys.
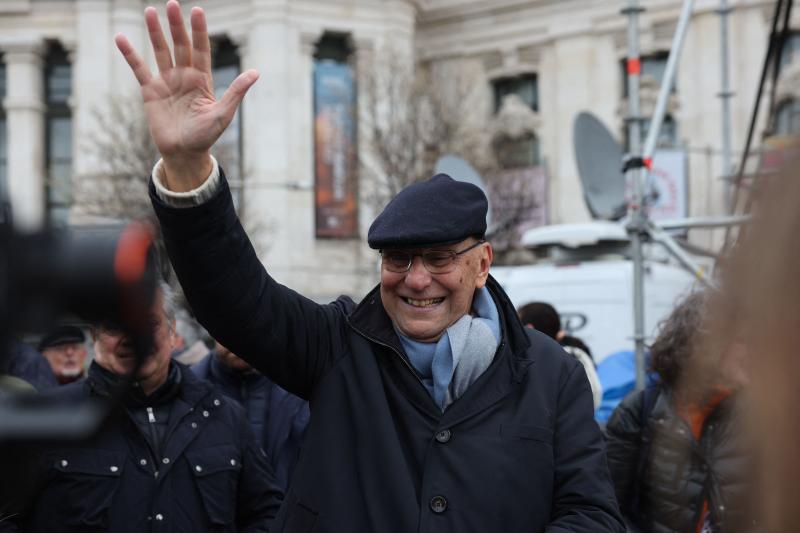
{"x": 432, "y": 408}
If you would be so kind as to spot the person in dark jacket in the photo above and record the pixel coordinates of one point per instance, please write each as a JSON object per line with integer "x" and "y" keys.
{"x": 25, "y": 363}
{"x": 543, "y": 317}
{"x": 277, "y": 417}
{"x": 432, "y": 408}
{"x": 675, "y": 450}
{"x": 177, "y": 455}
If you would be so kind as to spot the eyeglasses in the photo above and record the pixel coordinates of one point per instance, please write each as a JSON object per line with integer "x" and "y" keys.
{"x": 435, "y": 261}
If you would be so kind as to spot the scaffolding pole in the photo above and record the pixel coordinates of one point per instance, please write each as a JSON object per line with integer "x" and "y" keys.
{"x": 725, "y": 95}
{"x": 639, "y": 227}
{"x": 635, "y": 177}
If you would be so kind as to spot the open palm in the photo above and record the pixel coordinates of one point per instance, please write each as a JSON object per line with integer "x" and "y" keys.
{"x": 184, "y": 117}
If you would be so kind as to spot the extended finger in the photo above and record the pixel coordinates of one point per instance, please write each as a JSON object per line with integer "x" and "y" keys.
{"x": 160, "y": 48}
{"x": 235, "y": 93}
{"x": 201, "y": 47}
{"x": 180, "y": 38}
{"x": 135, "y": 61}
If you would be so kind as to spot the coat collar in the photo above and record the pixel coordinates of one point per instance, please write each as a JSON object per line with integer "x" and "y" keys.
{"x": 191, "y": 389}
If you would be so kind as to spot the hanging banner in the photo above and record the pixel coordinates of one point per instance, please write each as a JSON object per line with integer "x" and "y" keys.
{"x": 335, "y": 157}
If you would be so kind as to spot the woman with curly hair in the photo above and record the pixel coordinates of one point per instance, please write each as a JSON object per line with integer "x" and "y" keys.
{"x": 674, "y": 449}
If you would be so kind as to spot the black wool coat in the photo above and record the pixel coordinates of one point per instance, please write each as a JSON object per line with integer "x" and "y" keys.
{"x": 518, "y": 452}
{"x": 210, "y": 477}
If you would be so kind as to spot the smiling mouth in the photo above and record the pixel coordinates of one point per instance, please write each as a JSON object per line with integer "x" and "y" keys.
{"x": 430, "y": 302}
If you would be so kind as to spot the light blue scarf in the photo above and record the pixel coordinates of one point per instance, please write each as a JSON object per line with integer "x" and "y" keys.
{"x": 450, "y": 365}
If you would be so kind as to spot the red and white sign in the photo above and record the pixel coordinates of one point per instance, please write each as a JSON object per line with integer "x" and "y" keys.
{"x": 668, "y": 177}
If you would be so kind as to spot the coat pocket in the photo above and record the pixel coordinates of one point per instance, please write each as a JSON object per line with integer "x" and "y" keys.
{"x": 527, "y": 432}
{"x": 85, "y": 482}
{"x": 216, "y": 472}
{"x": 300, "y": 518}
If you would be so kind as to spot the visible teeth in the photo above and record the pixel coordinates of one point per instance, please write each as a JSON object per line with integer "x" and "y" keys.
{"x": 424, "y": 303}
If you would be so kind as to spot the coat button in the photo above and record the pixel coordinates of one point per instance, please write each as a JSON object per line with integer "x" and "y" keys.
{"x": 194, "y": 425}
{"x": 205, "y": 414}
{"x": 233, "y": 462}
{"x": 143, "y": 462}
{"x": 165, "y": 460}
{"x": 64, "y": 463}
{"x": 114, "y": 469}
{"x": 216, "y": 402}
{"x": 438, "y": 504}
{"x": 198, "y": 468}
{"x": 443, "y": 436}
{"x": 159, "y": 517}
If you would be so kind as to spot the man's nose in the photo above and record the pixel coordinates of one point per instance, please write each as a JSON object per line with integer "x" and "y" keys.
{"x": 418, "y": 277}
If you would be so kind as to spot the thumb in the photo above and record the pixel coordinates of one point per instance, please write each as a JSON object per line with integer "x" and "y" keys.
{"x": 235, "y": 93}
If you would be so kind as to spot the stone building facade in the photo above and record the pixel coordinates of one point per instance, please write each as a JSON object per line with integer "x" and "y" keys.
{"x": 555, "y": 57}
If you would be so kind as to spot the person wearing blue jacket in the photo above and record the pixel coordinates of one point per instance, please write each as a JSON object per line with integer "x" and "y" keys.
{"x": 432, "y": 407}
{"x": 278, "y": 418}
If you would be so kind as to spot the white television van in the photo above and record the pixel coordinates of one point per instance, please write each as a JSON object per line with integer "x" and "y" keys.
{"x": 585, "y": 272}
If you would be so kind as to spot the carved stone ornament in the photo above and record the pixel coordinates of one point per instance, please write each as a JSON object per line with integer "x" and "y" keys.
{"x": 515, "y": 119}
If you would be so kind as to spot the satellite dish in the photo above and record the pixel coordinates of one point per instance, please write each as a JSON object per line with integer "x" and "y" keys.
{"x": 460, "y": 170}
{"x": 599, "y": 159}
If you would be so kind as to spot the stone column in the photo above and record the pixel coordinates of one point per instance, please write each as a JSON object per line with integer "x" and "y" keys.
{"x": 127, "y": 17}
{"x": 266, "y": 133}
{"x": 91, "y": 79}
{"x": 25, "y": 111}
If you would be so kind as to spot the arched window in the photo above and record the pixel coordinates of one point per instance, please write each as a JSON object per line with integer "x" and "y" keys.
{"x": 525, "y": 86}
{"x": 519, "y": 152}
{"x": 787, "y": 118}
{"x": 791, "y": 49}
{"x": 58, "y": 154}
{"x": 667, "y": 135}
{"x": 653, "y": 67}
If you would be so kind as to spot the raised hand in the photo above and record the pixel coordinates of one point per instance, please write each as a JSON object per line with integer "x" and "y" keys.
{"x": 184, "y": 117}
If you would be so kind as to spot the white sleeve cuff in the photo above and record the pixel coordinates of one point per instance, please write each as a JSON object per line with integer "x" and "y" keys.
{"x": 197, "y": 196}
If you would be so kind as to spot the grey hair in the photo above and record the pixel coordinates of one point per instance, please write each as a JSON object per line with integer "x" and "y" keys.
{"x": 168, "y": 302}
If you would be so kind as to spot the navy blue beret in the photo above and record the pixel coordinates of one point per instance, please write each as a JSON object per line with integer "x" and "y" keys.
{"x": 62, "y": 335}
{"x": 433, "y": 212}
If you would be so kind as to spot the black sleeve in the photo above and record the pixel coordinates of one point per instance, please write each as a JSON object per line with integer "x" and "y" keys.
{"x": 289, "y": 338}
{"x": 623, "y": 436}
{"x": 583, "y": 499}
{"x": 258, "y": 495}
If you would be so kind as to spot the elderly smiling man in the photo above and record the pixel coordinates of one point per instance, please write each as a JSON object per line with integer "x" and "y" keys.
{"x": 432, "y": 408}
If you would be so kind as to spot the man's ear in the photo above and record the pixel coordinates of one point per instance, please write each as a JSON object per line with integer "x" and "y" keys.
{"x": 484, "y": 263}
